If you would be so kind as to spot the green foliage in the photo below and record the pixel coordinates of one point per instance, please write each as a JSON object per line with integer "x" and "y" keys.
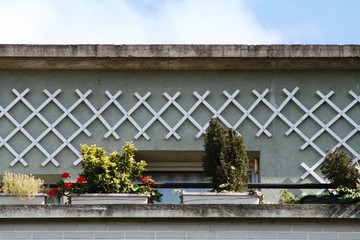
{"x": 341, "y": 195}
{"x": 340, "y": 171}
{"x": 225, "y": 161}
{"x": 214, "y": 148}
{"x": 347, "y": 193}
{"x": 114, "y": 173}
{"x": 286, "y": 197}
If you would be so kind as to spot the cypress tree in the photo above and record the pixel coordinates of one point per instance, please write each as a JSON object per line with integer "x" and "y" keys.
{"x": 225, "y": 161}
{"x": 214, "y": 151}
{"x": 237, "y": 163}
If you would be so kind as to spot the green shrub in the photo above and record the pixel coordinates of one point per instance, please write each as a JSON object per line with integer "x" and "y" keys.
{"x": 339, "y": 170}
{"x": 287, "y": 197}
{"x": 225, "y": 161}
{"x": 115, "y": 173}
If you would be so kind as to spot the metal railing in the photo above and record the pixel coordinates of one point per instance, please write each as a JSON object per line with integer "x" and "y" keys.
{"x": 251, "y": 185}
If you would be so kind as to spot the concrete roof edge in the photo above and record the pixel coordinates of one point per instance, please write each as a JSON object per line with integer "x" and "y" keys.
{"x": 179, "y": 51}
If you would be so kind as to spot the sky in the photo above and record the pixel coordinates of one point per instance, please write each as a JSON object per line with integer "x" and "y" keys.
{"x": 179, "y": 21}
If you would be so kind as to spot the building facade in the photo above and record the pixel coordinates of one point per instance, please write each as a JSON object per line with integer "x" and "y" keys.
{"x": 291, "y": 103}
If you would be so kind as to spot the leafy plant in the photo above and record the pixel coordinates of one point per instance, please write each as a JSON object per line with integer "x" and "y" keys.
{"x": 225, "y": 161}
{"x": 104, "y": 173}
{"x": 23, "y": 185}
{"x": 114, "y": 173}
{"x": 347, "y": 193}
{"x": 339, "y": 170}
{"x": 66, "y": 188}
{"x": 287, "y": 197}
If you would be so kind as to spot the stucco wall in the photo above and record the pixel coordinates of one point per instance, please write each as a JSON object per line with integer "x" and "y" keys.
{"x": 281, "y": 156}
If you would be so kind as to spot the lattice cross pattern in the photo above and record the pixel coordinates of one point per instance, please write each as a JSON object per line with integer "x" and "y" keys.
{"x": 173, "y": 103}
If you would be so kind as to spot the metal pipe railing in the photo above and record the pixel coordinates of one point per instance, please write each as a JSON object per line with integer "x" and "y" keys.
{"x": 251, "y": 185}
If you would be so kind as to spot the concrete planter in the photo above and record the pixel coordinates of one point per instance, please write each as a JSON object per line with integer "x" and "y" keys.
{"x": 218, "y": 198}
{"x": 10, "y": 199}
{"x": 109, "y": 198}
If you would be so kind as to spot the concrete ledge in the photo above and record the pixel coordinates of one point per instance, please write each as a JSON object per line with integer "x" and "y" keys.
{"x": 179, "y": 212}
{"x": 179, "y": 57}
{"x": 181, "y": 51}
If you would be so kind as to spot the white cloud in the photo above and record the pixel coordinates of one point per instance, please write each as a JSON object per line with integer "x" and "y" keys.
{"x": 131, "y": 22}
{"x": 215, "y": 22}
{"x": 21, "y": 22}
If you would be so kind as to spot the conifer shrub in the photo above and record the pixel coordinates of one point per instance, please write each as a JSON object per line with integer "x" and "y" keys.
{"x": 340, "y": 171}
{"x": 225, "y": 160}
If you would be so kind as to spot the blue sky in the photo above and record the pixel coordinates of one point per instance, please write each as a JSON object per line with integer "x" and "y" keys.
{"x": 180, "y": 21}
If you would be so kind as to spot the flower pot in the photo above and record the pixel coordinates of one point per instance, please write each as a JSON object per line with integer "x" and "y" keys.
{"x": 109, "y": 198}
{"x": 10, "y": 199}
{"x": 218, "y": 198}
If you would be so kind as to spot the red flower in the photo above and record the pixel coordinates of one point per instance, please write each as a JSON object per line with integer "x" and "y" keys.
{"x": 144, "y": 179}
{"x": 53, "y": 192}
{"x": 81, "y": 179}
{"x": 147, "y": 180}
{"x": 65, "y": 175}
{"x": 67, "y": 185}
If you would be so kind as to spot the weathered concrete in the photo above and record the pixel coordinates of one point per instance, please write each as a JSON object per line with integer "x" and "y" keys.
{"x": 180, "y": 212}
{"x": 177, "y": 57}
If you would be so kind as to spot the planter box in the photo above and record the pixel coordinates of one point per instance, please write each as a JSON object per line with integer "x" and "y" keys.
{"x": 112, "y": 198}
{"x": 218, "y": 198}
{"x": 10, "y": 199}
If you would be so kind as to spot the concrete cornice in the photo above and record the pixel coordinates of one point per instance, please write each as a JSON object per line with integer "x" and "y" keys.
{"x": 342, "y": 213}
{"x": 180, "y": 57}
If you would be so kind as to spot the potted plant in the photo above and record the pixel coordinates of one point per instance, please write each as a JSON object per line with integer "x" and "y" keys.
{"x": 344, "y": 177}
{"x": 108, "y": 179}
{"x": 65, "y": 188}
{"x": 226, "y": 164}
{"x": 22, "y": 189}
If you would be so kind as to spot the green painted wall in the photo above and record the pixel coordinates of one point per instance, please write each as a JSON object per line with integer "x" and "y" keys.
{"x": 281, "y": 156}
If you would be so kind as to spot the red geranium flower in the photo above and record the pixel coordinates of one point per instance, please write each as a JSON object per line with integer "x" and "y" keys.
{"x": 67, "y": 185}
{"x": 147, "y": 180}
{"x": 144, "y": 179}
{"x": 81, "y": 179}
{"x": 53, "y": 192}
{"x": 65, "y": 175}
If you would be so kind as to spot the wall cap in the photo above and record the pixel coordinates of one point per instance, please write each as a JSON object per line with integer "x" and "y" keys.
{"x": 179, "y": 212}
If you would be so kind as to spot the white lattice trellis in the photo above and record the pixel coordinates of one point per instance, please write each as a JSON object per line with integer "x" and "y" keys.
{"x": 325, "y": 127}
{"x": 187, "y": 116}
